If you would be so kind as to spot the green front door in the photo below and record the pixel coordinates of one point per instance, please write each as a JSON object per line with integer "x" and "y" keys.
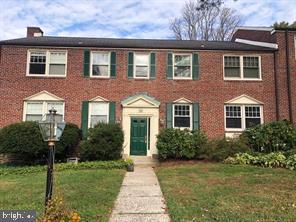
{"x": 138, "y": 136}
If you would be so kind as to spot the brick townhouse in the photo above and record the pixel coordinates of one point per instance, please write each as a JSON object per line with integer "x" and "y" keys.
{"x": 221, "y": 88}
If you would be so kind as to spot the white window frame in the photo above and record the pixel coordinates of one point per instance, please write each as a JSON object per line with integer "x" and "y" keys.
{"x": 135, "y": 65}
{"x": 90, "y": 108}
{"x": 91, "y": 64}
{"x": 241, "y": 61}
{"x": 182, "y": 54}
{"x": 45, "y": 107}
{"x": 243, "y": 116}
{"x": 47, "y": 52}
{"x": 190, "y": 115}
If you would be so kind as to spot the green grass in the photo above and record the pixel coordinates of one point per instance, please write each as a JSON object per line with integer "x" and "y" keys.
{"x": 89, "y": 192}
{"x": 221, "y": 192}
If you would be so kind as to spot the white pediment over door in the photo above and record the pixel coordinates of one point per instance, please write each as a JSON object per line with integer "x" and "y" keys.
{"x": 140, "y": 101}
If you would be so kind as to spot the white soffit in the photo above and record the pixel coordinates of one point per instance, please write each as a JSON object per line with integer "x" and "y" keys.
{"x": 264, "y": 44}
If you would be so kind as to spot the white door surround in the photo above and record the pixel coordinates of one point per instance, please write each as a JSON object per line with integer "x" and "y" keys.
{"x": 140, "y": 105}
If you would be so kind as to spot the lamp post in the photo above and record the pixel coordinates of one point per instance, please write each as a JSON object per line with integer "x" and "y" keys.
{"x": 51, "y": 127}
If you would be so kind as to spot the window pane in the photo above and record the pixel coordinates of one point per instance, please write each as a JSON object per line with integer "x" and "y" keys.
{"x": 251, "y": 61}
{"x": 38, "y": 57}
{"x": 100, "y": 58}
{"x": 141, "y": 71}
{"x": 100, "y": 70}
{"x": 234, "y": 123}
{"x": 58, "y": 57}
{"x": 58, "y": 106}
{"x": 182, "y": 60}
{"x": 250, "y": 122}
{"x": 99, "y": 108}
{"x": 231, "y": 61}
{"x": 182, "y": 122}
{"x": 34, "y": 108}
{"x": 95, "y": 119}
{"x": 182, "y": 71}
{"x": 251, "y": 73}
{"x": 252, "y": 111}
{"x": 36, "y": 68}
{"x": 142, "y": 59}
{"x": 30, "y": 117}
{"x": 232, "y": 72}
{"x": 233, "y": 111}
{"x": 57, "y": 69}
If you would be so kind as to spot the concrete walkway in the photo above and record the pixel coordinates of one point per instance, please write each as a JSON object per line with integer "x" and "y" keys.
{"x": 140, "y": 198}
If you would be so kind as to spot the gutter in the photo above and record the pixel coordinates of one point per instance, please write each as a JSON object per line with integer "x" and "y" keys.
{"x": 277, "y": 107}
{"x": 288, "y": 77}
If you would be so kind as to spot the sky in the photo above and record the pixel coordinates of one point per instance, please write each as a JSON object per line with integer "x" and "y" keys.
{"x": 122, "y": 18}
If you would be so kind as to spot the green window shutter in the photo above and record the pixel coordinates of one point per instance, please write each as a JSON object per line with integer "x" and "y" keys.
{"x": 86, "y": 63}
{"x": 130, "y": 65}
{"x": 84, "y": 118}
{"x": 169, "y": 115}
{"x": 195, "y": 66}
{"x": 152, "y": 65}
{"x": 113, "y": 65}
{"x": 112, "y": 112}
{"x": 170, "y": 66}
{"x": 195, "y": 116}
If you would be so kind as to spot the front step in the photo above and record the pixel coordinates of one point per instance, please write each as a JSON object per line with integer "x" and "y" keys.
{"x": 144, "y": 161}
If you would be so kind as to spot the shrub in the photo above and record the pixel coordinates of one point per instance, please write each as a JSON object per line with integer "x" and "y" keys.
{"x": 220, "y": 149}
{"x": 24, "y": 141}
{"x": 274, "y": 159}
{"x": 68, "y": 142}
{"x": 179, "y": 144}
{"x": 104, "y": 142}
{"x": 115, "y": 164}
{"x": 271, "y": 137}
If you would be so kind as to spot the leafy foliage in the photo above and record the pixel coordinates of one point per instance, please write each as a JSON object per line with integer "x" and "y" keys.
{"x": 118, "y": 164}
{"x": 284, "y": 24}
{"x": 274, "y": 159}
{"x": 104, "y": 142}
{"x": 180, "y": 144}
{"x": 24, "y": 140}
{"x": 220, "y": 149}
{"x": 271, "y": 137}
{"x": 68, "y": 142}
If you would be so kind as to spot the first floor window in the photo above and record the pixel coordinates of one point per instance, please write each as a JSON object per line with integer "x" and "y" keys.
{"x": 240, "y": 117}
{"x": 182, "y": 116}
{"x": 35, "y": 110}
{"x": 100, "y": 64}
{"x": 99, "y": 112}
{"x": 141, "y": 65}
{"x": 182, "y": 66}
{"x": 47, "y": 63}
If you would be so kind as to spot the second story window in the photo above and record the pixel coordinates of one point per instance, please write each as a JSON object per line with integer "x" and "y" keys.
{"x": 100, "y": 64}
{"x": 141, "y": 65}
{"x": 182, "y": 66}
{"x": 242, "y": 68}
{"x": 47, "y": 63}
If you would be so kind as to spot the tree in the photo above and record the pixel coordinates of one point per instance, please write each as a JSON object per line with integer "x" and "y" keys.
{"x": 284, "y": 24}
{"x": 205, "y": 20}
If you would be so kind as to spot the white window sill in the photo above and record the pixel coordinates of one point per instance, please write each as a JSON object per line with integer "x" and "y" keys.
{"x": 46, "y": 76}
{"x": 100, "y": 77}
{"x": 242, "y": 79}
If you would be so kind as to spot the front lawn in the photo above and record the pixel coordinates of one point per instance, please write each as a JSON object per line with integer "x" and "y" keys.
{"x": 221, "y": 192}
{"x": 90, "y": 192}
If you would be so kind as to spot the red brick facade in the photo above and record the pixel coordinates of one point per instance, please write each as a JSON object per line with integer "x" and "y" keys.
{"x": 210, "y": 90}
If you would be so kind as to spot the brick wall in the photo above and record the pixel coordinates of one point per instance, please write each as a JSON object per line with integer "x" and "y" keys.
{"x": 211, "y": 91}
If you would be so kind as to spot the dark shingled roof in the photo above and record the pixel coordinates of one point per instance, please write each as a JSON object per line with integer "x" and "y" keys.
{"x": 133, "y": 43}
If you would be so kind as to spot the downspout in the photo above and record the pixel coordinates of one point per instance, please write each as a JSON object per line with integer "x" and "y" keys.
{"x": 288, "y": 77}
{"x": 277, "y": 108}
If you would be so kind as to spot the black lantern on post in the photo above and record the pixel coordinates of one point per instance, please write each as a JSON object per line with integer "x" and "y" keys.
{"x": 51, "y": 127}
